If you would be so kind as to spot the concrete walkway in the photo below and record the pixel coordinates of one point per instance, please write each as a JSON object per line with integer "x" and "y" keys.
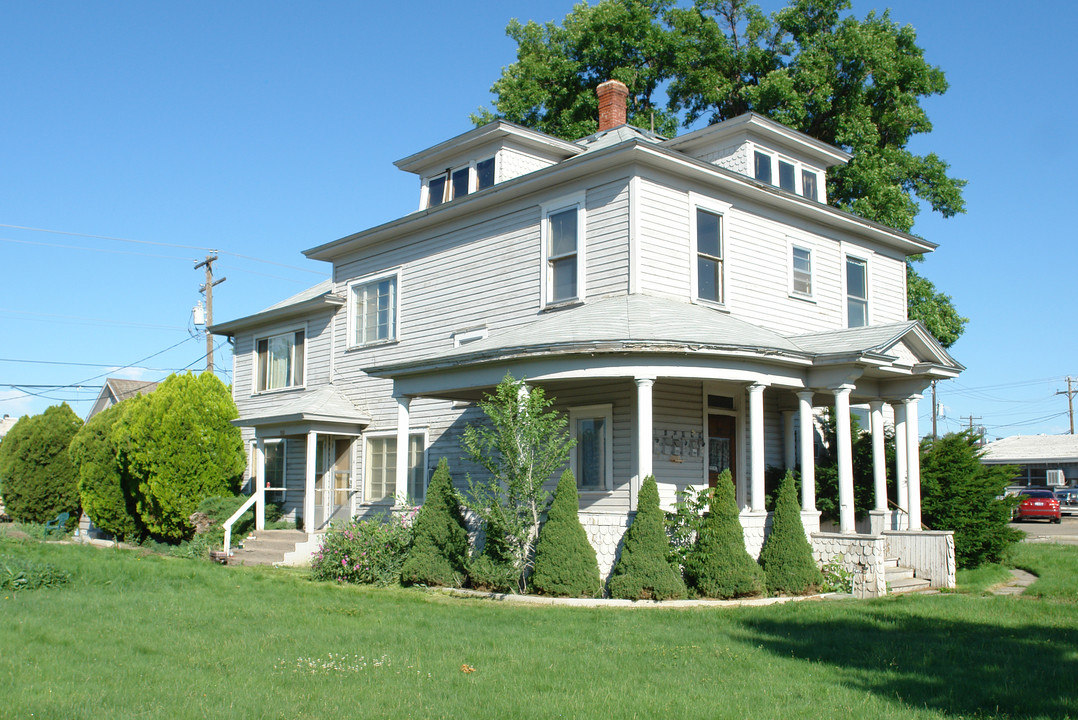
{"x": 1017, "y": 585}
{"x": 607, "y": 603}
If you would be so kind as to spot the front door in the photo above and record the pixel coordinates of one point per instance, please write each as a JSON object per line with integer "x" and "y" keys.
{"x": 333, "y": 481}
{"x": 721, "y": 447}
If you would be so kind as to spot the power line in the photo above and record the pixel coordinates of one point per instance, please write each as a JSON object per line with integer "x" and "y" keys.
{"x": 83, "y": 320}
{"x": 78, "y": 364}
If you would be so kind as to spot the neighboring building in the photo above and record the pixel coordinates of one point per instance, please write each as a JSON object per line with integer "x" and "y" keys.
{"x": 689, "y": 302}
{"x": 6, "y": 423}
{"x": 117, "y": 389}
{"x": 1042, "y": 460}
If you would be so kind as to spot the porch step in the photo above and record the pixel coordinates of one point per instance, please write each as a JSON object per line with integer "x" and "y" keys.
{"x": 267, "y": 547}
{"x": 902, "y": 579}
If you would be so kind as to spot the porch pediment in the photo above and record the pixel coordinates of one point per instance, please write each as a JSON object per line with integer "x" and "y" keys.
{"x": 905, "y": 346}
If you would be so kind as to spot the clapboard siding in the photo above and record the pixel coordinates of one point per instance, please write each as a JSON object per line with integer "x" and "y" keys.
{"x": 664, "y": 240}
{"x": 607, "y": 239}
{"x": 677, "y": 406}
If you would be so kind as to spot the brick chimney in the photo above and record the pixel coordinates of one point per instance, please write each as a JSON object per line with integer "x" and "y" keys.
{"x": 612, "y": 97}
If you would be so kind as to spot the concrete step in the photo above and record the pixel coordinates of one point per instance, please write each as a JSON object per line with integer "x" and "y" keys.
{"x": 894, "y": 574}
{"x": 908, "y": 585}
{"x": 267, "y": 547}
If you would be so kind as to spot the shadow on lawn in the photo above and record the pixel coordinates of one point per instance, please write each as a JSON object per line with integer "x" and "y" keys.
{"x": 955, "y": 667}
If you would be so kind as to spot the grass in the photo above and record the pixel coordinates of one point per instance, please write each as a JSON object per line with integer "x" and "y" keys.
{"x": 139, "y": 635}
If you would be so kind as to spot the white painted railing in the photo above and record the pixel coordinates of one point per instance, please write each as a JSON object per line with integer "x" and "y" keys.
{"x": 232, "y": 521}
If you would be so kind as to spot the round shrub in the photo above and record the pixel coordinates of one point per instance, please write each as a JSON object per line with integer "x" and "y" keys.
{"x": 40, "y": 481}
{"x": 787, "y": 556}
{"x": 645, "y": 570}
{"x": 718, "y": 565}
{"x": 109, "y": 504}
{"x": 367, "y": 552}
{"x": 565, "y": 563}
{"x": 440, "y": 549}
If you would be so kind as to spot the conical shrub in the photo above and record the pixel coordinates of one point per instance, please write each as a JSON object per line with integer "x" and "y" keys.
{"x": 440, "y": 549}
{"x": 787, "y": 556}
{"x": 495, "y": 568}
{"x": 565, "y": 564}
{"x": 644, "y": 570}
{"x": 718, "y": 565}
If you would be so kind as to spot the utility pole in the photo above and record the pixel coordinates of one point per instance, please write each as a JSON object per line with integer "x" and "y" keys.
{"x": 207, "y": 290}
{"x": 935, "y": 410}
{"x": 1069, "y": 392}
{"x": 971, "y": 419}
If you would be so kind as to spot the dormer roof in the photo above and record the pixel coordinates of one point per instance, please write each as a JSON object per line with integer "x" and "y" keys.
{"x": 496, "y": 131}
{"x": 775, "y": 135}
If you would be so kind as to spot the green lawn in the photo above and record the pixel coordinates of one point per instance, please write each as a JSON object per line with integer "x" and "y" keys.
{"x": 141, "y": 636}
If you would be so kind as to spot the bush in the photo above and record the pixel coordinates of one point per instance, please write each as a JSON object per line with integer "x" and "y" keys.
{"x": 645, "y": 570}
{"x": 40, "y": 481}
{"x": 565, "y": 563}
{"x": 959, "y": 493}
{"x": 718, "y": 565}
{"x": 19, "y": 573}
{"x": 787, "y": 555}
{"x": 495, "y": 569}
{"x": 440, "y": 550}
{"x": 104, "y": 496}
{"x": 683, "y": 525}
{"x": 179, "y": 447}
{"x": 365, "y": 552}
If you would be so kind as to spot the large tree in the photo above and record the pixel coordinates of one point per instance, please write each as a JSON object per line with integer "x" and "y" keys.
{"x": 39, "y": 479}
{"x": 854, "y": 83}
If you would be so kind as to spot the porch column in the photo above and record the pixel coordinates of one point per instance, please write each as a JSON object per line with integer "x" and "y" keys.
{"x": 260, "y": 484}
{"x": 756, "y": 447}
{"x": 913, "y": 463}
{"x": 644, "y": 411}
{"x": 790, "y": 450}
{"x": 309, "y": 480}
{"x": 879, "y": 460}
{"x": 901, "y": 478}
{"x": 808, "y": 452}
{"x": 401, "y": 482}
{"x": 845, "y": 458}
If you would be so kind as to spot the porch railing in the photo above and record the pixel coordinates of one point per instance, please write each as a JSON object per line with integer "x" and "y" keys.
{"x": 232, "y": 521}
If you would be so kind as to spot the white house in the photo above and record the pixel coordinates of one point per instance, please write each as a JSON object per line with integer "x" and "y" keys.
{"x": 689, "y": 302}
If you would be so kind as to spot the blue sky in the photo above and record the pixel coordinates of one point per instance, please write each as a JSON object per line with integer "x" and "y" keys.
{"x": 260, "y": 129}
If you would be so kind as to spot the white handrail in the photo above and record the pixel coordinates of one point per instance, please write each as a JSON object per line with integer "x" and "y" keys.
{"x": 232, "y": 520}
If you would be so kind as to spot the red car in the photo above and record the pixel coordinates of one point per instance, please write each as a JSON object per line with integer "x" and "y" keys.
{"x": 1038, "y": 504}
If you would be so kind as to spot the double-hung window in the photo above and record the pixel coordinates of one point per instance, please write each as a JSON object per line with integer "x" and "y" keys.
{"x": 800, "y": 271}
{"x": 381, "y": 468}
{"x": 856, "y": 292}
{"x": 709, "y": 256}
{"x": 374, "y": 310}
{"x": 280, "y": 360}
{"x": 563, "y": 253}
{"x": 591, "y": 460}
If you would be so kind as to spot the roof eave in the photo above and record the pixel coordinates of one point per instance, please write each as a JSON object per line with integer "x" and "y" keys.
{"x": 276, "y": 314}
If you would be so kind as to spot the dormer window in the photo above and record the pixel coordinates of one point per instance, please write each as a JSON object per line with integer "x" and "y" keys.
{"x": 460, "y": 182}
{"x": 762, "y": 167}
{"x": 787, "y": 176}
{"x": 484, "y": 173}
{"x": 436, "y": 191}
{"x": 808, "y": 185}
{"x": 456, "y": 183}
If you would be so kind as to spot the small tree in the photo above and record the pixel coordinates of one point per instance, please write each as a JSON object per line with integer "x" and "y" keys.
{"x": 102, "y": 489}
{"x": 645, "y": 570}
{"x": 565, "y": 563}
{"x": 440, "y": 549}
{"x": 39, "y": 479}
{"x": 179, "y": 448}
{"x": 523, "y": 445}
{"x": 787, "y": 556}
{"x": 719, "y": 565}
{"x": 959, "y": 493}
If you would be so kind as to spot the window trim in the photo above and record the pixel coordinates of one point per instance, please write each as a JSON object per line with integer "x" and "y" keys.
{"x": 350, "y": 342}
{"x": 555, "y": 207}
{"x": 793, "y": 244}
{"x": 256, "y": 366}
{"x": 865, "y": 258}
{"x": 397, "y": 497}
{"x": 584, "y": 412}
{"x": 716, "y": 207}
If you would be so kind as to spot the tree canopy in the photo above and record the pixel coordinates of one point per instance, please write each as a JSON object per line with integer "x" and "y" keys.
{"x": 854, "y": 83}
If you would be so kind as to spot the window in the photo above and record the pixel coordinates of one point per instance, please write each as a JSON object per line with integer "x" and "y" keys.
{"x": 592, "y": 460}
{"x": 280, "y": 361}
{"x": 484, "y": 173}
{"x": 460, "y": 182}
{"x": 275, "y": 470}
{"x": 762, "y": 167}
{"x": 381, "y": 467}
{"x": 563, "y": 254}
{"x": 787, "y": 176}
{"x": 801, "y": 271}
{"x": 856, "y": 292}
{"x": 374, "y": 310}
{"x": 708, "y": 256}
{"x": 808, "y": 185}
{"x": 436, "y": 191}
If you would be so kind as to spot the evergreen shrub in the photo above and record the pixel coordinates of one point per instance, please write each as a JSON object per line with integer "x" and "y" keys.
{"x": 439, "y": 551}
{"x": 565, "y": 562}
{"x": 494, "y": 569}
{"x": 366, "y": 552}
{"x": 644, "y": 570}
{"x": 105, "y": 498}
{"x": 787, "y": 558}
{"x": 718, "y": 565}
{"x": 40, "y": 480}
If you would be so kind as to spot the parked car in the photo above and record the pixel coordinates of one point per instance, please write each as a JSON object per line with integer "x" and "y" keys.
{"x": 1068, "y": 500}
{"x": 1038, "y": 504}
